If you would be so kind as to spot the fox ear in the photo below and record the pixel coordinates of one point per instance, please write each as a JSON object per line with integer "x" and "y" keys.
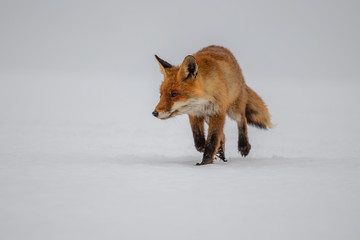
{"x": 163, "y": 64}
{"x": 189, "y": 68}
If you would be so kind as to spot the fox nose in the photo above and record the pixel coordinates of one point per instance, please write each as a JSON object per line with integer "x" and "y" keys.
{"x": 155, "y": 113}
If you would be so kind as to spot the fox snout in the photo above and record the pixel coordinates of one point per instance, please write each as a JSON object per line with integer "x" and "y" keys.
{"x": 161, "y": 115}
{"x": 155, "y": 113}
{"x": 162, "y": 109}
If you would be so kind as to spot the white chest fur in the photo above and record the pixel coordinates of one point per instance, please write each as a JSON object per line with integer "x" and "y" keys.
{"x": 196, "y": 107}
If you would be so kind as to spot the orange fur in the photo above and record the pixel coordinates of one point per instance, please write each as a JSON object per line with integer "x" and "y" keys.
{"x": 208, "y": 86}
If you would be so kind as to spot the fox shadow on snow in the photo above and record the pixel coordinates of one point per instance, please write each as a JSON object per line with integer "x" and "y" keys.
{"x": 190, "y": 161}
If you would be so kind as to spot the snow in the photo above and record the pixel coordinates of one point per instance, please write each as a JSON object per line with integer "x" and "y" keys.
{"x": 83, "y": 158}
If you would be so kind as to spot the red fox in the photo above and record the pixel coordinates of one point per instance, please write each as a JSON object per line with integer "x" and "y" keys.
{"x": 208, "y": 86}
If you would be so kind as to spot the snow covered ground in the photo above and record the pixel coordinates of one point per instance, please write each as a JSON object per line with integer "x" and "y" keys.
{"x": 82, "y": 158}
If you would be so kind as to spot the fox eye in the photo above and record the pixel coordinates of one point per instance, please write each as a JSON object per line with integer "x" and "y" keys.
{"x": 173, "y": 94}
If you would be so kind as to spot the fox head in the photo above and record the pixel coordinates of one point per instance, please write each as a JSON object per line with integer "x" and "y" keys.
{"x": 180, "y": 90}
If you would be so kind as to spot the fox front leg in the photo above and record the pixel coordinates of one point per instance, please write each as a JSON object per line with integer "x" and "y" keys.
{"x": 215, "y": 133}
{"x": 197, "y": 127}
{"x": 221, "y": 151}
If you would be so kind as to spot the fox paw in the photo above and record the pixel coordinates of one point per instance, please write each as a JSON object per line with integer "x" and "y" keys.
{"x": 222, "y": 158}
{"x": 204, "y": 162}
{"x": 244, "y": 150}
{"x": 220, "y": 154}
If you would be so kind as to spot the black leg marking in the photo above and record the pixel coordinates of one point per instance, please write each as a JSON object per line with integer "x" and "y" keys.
{"x": 199, "y": 140}
{"x": 243, "y": 145}
{"x": 221, "y": 154}
{"x": 210, "y": 148}
{"x": 197, "y": 127}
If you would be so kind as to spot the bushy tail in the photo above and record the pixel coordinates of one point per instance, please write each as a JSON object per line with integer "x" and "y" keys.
{"x": 257, "y": 113}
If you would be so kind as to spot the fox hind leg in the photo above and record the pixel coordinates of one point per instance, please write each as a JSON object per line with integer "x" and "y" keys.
{"x": 237, "y": 113}
{"x": 243, "y": 142}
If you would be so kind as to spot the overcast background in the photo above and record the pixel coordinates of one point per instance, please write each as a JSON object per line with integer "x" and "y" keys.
{"x": 82, "y": 157}
{"x": 269, "y": 38}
